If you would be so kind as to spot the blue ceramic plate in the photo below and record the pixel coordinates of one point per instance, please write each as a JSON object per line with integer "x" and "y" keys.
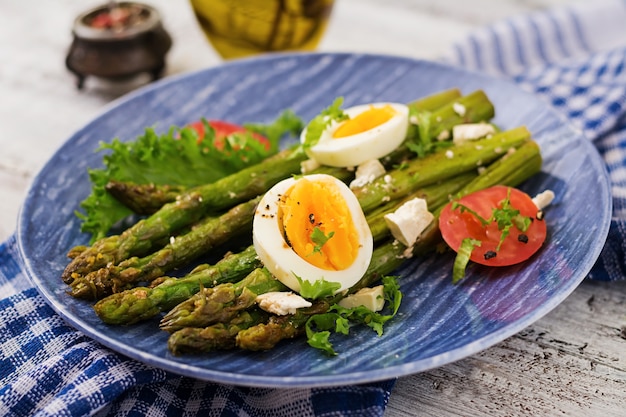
{"x": 438, "y": 322}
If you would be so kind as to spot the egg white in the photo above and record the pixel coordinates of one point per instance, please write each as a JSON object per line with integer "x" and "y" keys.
{"x": 284, "y": 263}
{"x": 355, "y": 149}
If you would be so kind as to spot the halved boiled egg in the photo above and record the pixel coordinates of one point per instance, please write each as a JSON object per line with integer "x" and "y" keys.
{"x": 313, "y": 228}
{"x": 371, "y": 132}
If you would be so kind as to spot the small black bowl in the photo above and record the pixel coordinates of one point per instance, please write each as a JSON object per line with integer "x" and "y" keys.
{"x": 118, "y": 41}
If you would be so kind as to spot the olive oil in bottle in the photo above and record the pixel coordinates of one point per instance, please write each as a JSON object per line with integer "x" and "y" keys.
{"x": 238, "y": 28}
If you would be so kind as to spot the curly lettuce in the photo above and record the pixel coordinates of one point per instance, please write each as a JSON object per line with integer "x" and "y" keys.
{"x": 176, "y": 157}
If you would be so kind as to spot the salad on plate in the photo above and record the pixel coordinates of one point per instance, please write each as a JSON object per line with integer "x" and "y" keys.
{"x": 235, "y": 243}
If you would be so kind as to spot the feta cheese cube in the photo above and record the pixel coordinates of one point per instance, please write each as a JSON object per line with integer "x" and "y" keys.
{"x": 543, "y": 199}
{"x": 471, "y": 131}
{"x": 367, "y": 172}
{"x": 371, "y": 298}
{"x": 459, "y": 109}
{"x": 281, "y": 302}
{"x": 409, "y": 221}
{"x": 309, "y": 165}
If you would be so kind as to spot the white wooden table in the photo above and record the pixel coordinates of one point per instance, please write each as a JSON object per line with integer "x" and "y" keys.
{"x": 571, "y": 362}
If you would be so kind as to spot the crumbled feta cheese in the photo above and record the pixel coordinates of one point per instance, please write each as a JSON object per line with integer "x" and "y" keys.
{"x": 281, "y": 302}
{"x": 371, "y": 298}
{"x": 367, "y": 172}
{"x": 449, "y": 154}
{"x": 444, "y": 135}
{"x": 308, "y": 166}
{"x": 172, "y": 240}
{"x": 459, "y": 109}
{"x": 409, "y": 221}
{"x": 413, "y": 120}
{"x": 543, "y": 199}
{"x": 471, "y": 131}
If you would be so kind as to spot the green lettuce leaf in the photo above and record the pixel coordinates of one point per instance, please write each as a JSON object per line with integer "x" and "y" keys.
{"x": 319, "y": 123}
{"x": 176, "y": 157}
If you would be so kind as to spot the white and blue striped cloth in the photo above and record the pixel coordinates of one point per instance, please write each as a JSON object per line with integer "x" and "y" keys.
{"x": 575, "y": 58}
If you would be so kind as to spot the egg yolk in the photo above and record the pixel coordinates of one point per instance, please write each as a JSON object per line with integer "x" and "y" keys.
{"x": 369, "y": 119}
{"x": 318, "y": 225}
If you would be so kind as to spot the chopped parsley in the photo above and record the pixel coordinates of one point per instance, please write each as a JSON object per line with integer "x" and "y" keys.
{"x": 319, "y": 238}
{"x": 320, "y": 327}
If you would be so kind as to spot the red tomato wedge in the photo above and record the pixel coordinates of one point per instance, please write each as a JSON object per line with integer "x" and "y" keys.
{"x": 457, "y": 223}
{"x": 224, "y": 129}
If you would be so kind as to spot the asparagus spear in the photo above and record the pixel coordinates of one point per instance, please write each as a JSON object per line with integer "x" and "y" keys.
{"x": 206, "y": 235}
{"x": 218, "y": 336}
{"x": 142, "y": 303}
{"x": 439, "y": 166}
{"x": 474, "y": 107}
{"x": 437, "y": 100}
{"x": 143, "y": 199}
{"x": 220, "y": 304}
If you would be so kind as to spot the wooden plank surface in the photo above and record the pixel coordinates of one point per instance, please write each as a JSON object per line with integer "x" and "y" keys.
{"x": 572, "y": 362}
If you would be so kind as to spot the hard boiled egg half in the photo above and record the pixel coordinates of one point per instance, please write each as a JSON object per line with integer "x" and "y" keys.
{"x": 371, "y": 132}
{"x": 312, "y": 227}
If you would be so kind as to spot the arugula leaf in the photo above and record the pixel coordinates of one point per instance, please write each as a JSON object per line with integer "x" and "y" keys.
{"x": 319, "y": 123}
{"x": 176, "y": 157}
{"x": 419, "y": 139}
{"x": 318, "y": 289}
{"x": 320, "y": 339}
{"x": 319, "y": 326}
{"x": 392, "y": 293}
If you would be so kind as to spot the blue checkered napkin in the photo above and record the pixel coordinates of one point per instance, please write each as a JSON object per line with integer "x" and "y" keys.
{"x": 575, "y": 58}
{"x": 49, "y": 369}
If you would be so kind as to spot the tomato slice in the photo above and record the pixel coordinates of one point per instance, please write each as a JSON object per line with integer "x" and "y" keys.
{"x": 224, "y": 129}
{"x": 457, "y": 224}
